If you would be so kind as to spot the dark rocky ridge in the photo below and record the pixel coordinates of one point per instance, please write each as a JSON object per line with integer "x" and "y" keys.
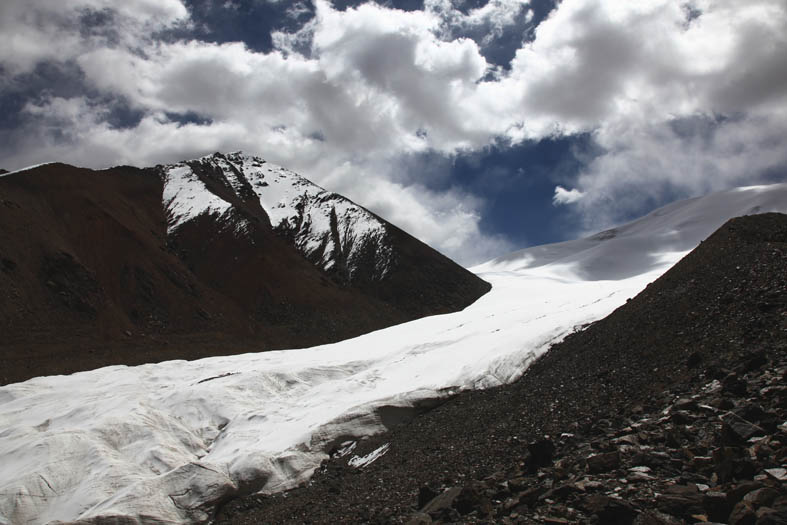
{"x": 90, "y": 278}
{"x": 670, "y": 410}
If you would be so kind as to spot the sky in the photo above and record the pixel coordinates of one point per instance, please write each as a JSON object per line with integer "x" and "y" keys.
{"x": 479, "y": 126}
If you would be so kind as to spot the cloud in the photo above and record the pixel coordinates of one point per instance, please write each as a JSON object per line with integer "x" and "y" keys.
{"x": 679, "y": 97}
{"x": 647, "y": 165}
{"x": 564, "y": 196}
{"x": 39, "y": 30}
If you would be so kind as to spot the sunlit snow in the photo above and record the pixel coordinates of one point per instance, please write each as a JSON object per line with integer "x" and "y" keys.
{"x": 27, "y": 168}
{"x": 166, "y": 441}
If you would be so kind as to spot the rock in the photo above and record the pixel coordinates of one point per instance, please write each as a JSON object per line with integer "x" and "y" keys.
{"x": 585, "y": 485}
{"x": 425, "y": 495}
{"x": 716, "y": 505}
{"x": 701, "y": 464}
{"x": 685, "y": 403}
{"x": 603, "y": 462}
{"x": 755, "y": 361}
{"x": 610, "y": 511}
{"x": 694, "y": 360}
{"x": 442, "y": 501}
{"x": 779, "y": 474}
{"x": 742, "y": 514}
{"x": 471, "y": 498}
{"x": 681, "y": 500}
{"x": 654, "y": 517}
{"x": 736, "y": 494}
{"x": 628, "y": 439}
{"x": 732, "y": 384}
{"x": 518, "y": 484}
{"x": 761, "y": 497}
{"x": 634, "y": 477}
{"x": 732, "y": 463}
{"x": 768, "y": 516}
{"x": 539, "y": 454}
{"x": 420, "y": 519}
{"x": 531, "y": 495}
{"x": 736, "y": 429}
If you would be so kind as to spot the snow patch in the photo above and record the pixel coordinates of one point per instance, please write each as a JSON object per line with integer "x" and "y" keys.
{"x": 28, "y": 168}
{"x": 368, "y": 459}
{"x": 186, "y": 197}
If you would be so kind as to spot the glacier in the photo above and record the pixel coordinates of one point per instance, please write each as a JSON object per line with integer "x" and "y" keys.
{"x": 168, "y": 441}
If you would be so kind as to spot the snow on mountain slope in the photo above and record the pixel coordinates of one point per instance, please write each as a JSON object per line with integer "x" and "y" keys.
{"x": 331, "y": 231}
{"x": 167, "y": 441}
{"x": 186, "y": 197}
{"x": 21, "y": 170}
{"x": 634, "y": 247}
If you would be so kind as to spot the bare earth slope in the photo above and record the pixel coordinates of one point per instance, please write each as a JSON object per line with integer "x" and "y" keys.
{"x": 643, "y": 417}
{"x": 93, "y": 274}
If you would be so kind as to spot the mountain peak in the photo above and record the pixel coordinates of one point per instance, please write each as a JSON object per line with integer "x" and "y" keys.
{"x": 331, "y": 231}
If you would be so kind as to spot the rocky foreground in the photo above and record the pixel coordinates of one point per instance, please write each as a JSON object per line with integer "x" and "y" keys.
{"x": 671, "y": 410}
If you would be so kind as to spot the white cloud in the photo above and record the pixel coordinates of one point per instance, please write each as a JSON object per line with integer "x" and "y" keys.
{"x": 564, "y": 196}
{"x": 378, "y": 84}
{"x": 41, "y": 30}
{"x": 492, "y": 17}
{"x": 688, "y": 157}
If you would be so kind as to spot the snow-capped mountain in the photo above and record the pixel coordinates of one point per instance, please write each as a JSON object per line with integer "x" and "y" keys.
{"x": 331, "y": 231}
{"x": 168, "y": 441}
{"x": 210, "y": 256}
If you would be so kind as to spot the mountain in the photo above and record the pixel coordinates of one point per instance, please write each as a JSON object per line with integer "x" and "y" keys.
{"x": 171, "y": 441}
{"x": 128, "y": 265}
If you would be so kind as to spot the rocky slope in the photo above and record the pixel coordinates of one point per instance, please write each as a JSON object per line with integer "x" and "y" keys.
{"x": 128, "y": 266}
{"x": 670, "y": 410}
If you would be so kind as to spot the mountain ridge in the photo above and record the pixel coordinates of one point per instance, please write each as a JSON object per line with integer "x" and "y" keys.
{"x": 130, "y": 265}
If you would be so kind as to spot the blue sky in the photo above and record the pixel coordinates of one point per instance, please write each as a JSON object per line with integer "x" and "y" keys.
{"x": 480, "y": 126}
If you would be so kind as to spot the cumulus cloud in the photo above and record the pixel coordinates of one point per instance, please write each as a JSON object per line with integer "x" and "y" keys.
{"x": 654, "y": 163}
{"x": 564, "y": 196}
{"x": 680, "y": 97}
{"x": 40, "y": 30}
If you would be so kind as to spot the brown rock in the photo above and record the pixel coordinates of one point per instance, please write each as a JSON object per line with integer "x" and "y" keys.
{"x": 471, "y": 498}
{"x": 716, "y": 505}
{"x": 443, "y": 501}
{"x": 761, "y": 497}
{"x": 654, "y": 517}
{"x": 603, "y": 462}
{"x": 610, "y": 511}
{"x": 742, "y": 514}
